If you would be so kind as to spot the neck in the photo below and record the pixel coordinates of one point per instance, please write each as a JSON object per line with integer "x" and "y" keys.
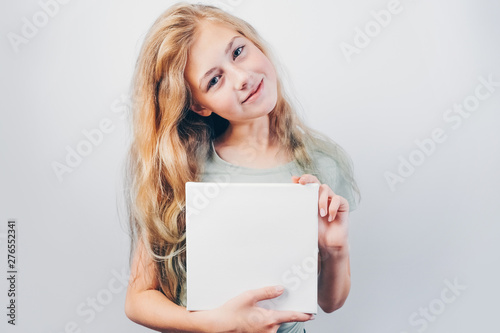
{"x": 254, "y": 133}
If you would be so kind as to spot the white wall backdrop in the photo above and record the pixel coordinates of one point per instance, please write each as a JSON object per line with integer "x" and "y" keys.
{"x": 412, "y": 96}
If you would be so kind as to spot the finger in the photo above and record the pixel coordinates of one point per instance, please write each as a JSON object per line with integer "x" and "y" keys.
{"x": 344, "y": 205}
{"x": 291, "y": 316}
{"x": 337, "y": 205}
{"x": 265, "y": 293}
{"x": 307, "y": 178}
{"x": 258, "y": 318}
{"x": 332, "y": 208}
{"x": 324, "y": 193}
{"x": 295, "y": 179}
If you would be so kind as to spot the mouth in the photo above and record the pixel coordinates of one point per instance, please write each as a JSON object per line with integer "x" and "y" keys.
{"x": 256, "y": 92}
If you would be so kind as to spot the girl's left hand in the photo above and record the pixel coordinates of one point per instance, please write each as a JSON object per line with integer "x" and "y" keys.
{"x": 333, "y": 215}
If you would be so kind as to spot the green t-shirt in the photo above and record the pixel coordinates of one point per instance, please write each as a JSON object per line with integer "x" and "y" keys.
{"x": 218, "y": 170}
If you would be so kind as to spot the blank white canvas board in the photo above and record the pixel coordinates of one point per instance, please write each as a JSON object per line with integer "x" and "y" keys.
{"x": 242, "y": 236}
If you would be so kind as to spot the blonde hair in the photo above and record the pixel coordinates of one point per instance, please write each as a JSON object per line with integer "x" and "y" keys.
{"x": 171, "y": 142}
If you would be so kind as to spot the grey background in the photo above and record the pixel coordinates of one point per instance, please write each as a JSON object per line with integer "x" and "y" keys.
{"x": 438, "y": 226}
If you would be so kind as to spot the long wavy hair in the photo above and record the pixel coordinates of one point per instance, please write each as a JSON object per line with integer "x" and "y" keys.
{"x": 171, "y": 142}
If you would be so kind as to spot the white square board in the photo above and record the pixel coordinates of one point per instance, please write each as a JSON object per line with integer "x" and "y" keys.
{"x": 242, "y": 236}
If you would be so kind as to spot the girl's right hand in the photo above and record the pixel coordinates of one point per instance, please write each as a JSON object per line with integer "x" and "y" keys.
{"x": 241, "y": 314}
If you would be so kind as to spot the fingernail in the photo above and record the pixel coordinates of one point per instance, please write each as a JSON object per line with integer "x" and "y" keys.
{"x": 330, "y": 218}
{"x": 312, "y": 317}
{"x": 322, "y": 212}
{"x": 279, "y": 289}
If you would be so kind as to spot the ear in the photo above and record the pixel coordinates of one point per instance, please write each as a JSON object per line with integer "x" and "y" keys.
{"x": 201, "y": 110}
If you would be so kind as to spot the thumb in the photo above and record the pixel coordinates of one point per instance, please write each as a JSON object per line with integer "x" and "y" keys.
{"x": 267, "y": 293}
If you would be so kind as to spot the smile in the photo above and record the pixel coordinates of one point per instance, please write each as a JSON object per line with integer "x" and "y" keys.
{"x": 254, "y": 95}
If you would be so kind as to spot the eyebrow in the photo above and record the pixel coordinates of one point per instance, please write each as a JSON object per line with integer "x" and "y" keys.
{"x": 228, "y": 47}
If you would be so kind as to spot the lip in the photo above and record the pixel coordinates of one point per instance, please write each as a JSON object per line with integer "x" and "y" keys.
{"x": 255, "y": 94}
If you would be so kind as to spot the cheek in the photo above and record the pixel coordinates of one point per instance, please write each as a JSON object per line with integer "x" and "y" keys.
{"x": 271, "y": 74}
{"x": 224, "y": 101}
{"x": 272, "y": 71}
{"x": 268, "y": 68}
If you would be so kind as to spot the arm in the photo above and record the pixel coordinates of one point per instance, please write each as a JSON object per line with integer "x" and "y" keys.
{"x": 334, "y": 280}
{"x": 147, "y": 306}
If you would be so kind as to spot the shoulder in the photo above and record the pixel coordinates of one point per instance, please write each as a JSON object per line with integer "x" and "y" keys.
{"x": 328, "y": 169}
{"x": 322, "y": 158}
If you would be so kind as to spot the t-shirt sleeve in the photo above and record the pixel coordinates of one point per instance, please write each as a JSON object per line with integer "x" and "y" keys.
{"x": 330, "y": 174}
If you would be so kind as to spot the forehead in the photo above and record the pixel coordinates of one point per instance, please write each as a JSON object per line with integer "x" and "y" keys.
{"x": 207, "y": 49}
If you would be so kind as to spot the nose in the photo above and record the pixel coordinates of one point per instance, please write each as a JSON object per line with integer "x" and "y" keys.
{"x": 241, "y": 78}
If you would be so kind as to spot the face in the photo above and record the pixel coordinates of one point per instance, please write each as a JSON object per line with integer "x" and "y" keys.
{"x": 229, "y": 75}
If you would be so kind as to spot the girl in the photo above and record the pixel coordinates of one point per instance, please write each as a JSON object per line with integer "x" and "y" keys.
{"x": 208, "y": 103}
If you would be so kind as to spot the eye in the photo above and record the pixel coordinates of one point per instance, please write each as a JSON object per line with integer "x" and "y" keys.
{"x": 213, "y": 82}
{"x": 237, "y": 52}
